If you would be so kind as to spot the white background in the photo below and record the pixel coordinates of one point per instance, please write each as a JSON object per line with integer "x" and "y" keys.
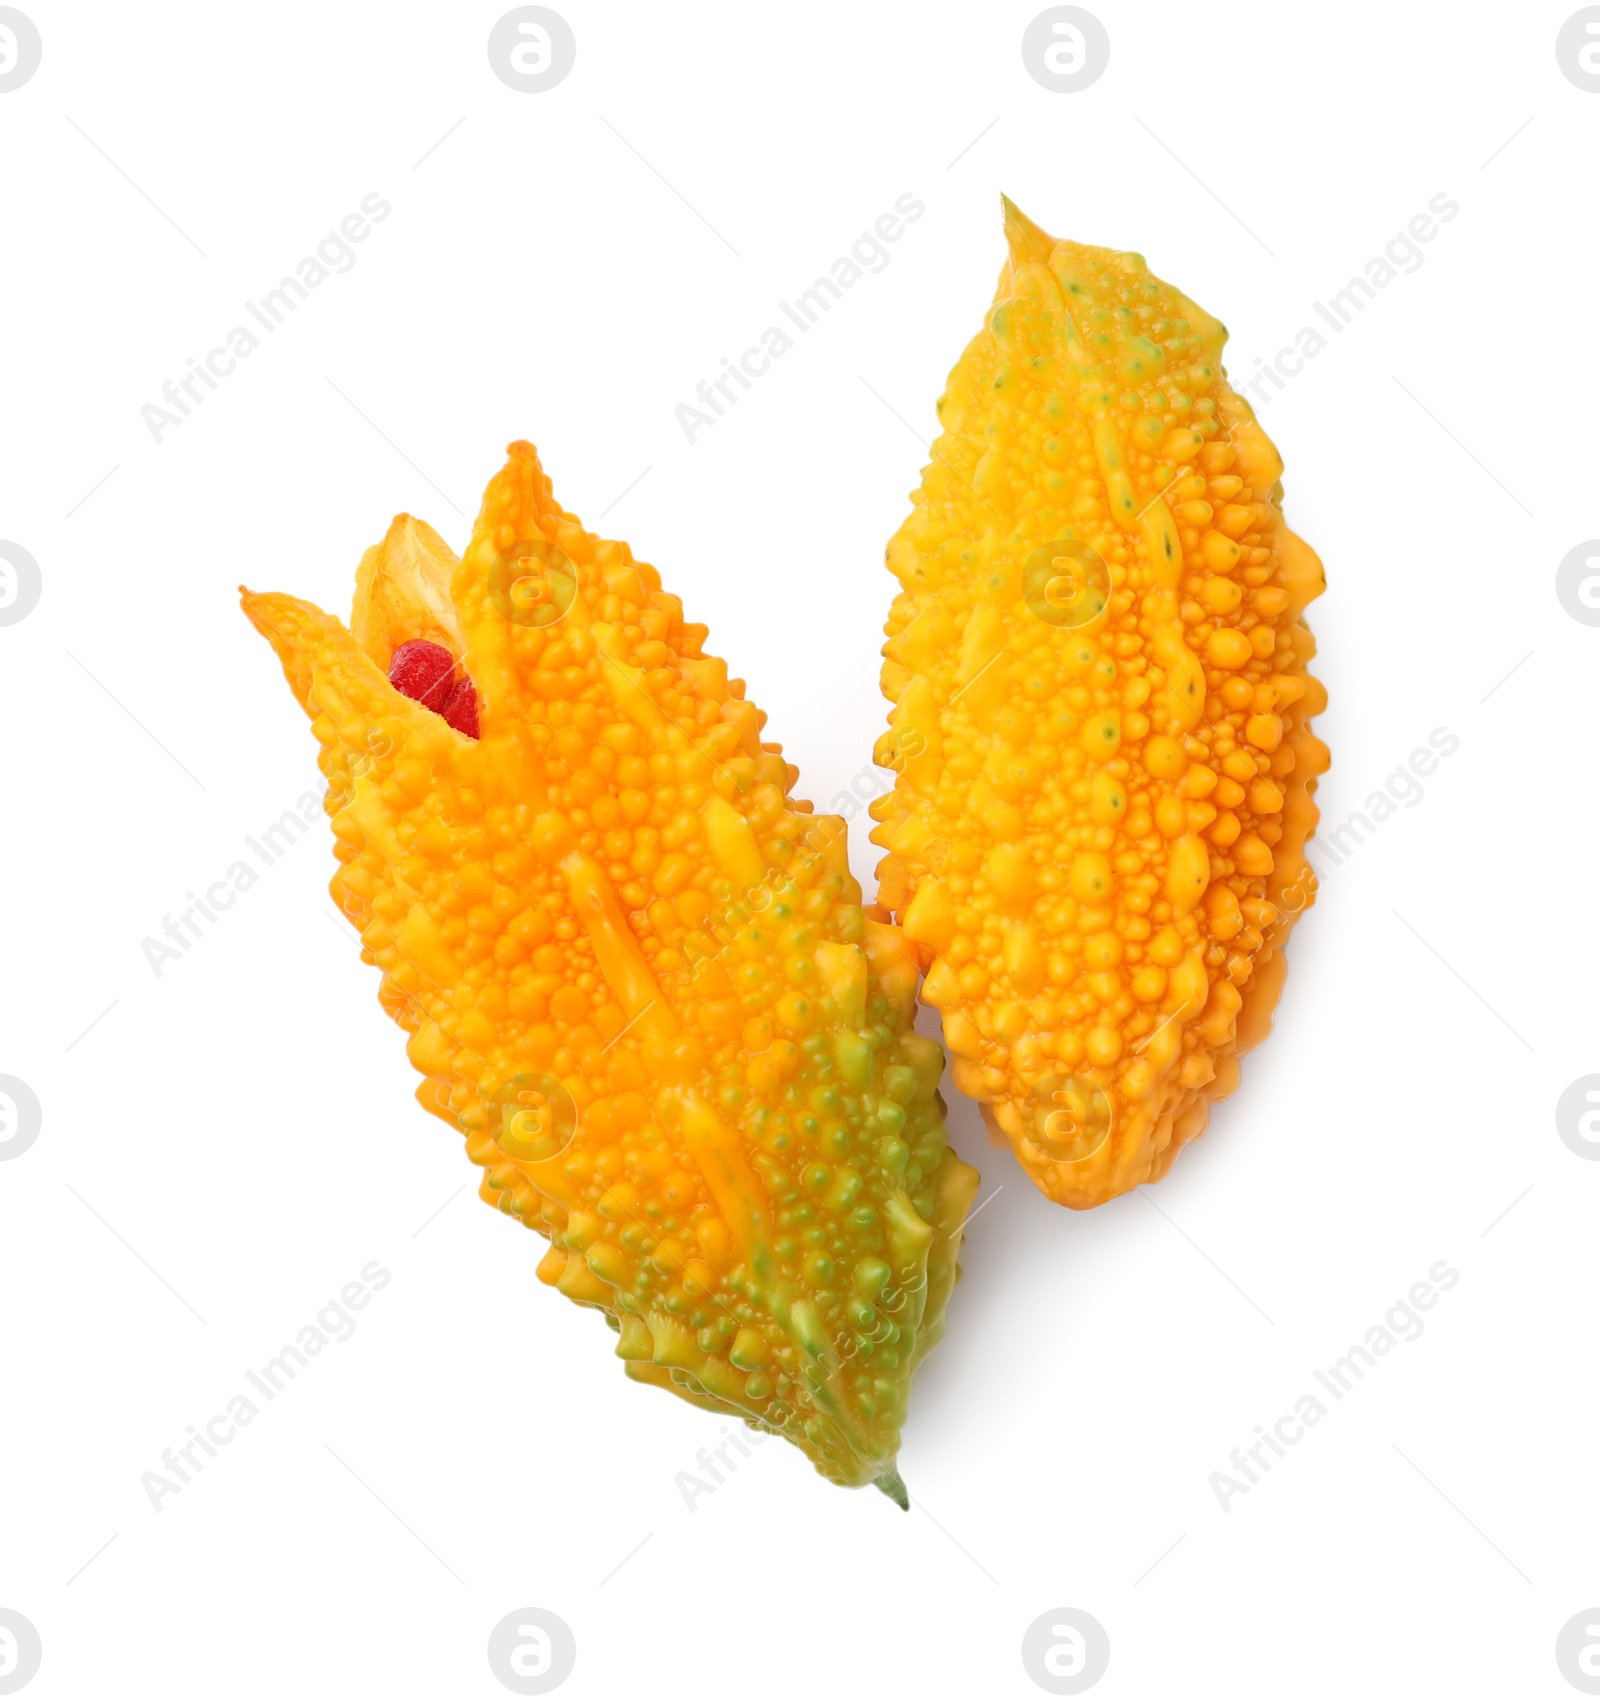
{"x": 243, "y": 1125}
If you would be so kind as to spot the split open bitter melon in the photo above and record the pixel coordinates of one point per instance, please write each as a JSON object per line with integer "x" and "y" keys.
{"x": 635, "y": 972}
{"x": 1098, "y": 668}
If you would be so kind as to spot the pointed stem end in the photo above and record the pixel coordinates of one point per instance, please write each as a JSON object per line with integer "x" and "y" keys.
{"x": 1029, "y": 245}
{"x": 894, "y": 1487}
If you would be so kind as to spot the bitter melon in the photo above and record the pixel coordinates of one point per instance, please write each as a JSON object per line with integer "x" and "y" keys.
{"x": 1099, "y": 672}
{"x": 636, "y": 973}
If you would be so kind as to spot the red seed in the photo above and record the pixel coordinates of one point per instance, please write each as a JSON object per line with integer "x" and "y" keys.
{"x": 423, "y": 671}
{"x": 461, "y": 712}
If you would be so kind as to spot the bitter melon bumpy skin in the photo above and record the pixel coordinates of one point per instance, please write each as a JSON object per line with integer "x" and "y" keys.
{"x": 636, "y": 974}
{"x": 1098, "y": 668}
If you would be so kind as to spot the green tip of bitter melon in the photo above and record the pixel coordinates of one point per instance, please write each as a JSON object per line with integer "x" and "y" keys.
{"x": 894, "y": 1487}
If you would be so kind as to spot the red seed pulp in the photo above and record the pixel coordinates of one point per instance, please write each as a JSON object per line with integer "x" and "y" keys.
{"x": 462, "y": 709}
{"x": 426, "y": 672}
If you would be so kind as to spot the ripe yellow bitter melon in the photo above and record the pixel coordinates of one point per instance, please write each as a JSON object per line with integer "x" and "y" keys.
{"x": 1099, "y": 673}
{"x": 635, "y": 972}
